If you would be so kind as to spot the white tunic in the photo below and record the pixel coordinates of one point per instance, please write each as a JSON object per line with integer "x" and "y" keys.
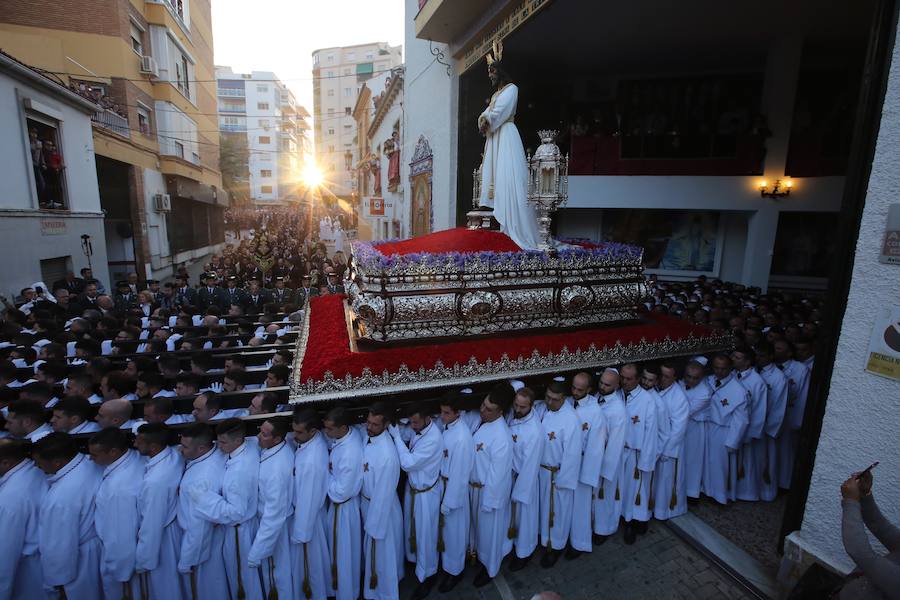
{"x": 342, "y": 527}
{"x": 767, "y": 447}
{"x": 271, "y": 547}
{"x": 725, "y": 430}
{"x": 490, "y": 485}
{"x": 453, "y": 523}
{"x": 22, "y": 492}
{"x": 116, "y": 519}
{"x": 200, "y": 557}
{"x": 235, "y": 509}
{"x": 382, "y": 519}
{"x": 594, "y": 432}
{"x": 308, "y": 544}
{"x": 695, "y": 436}
{"x": 797, "y": 375}
{"x": 504, "y": 173}
{"x": 608, "y": 504}
{"x": 749, "y": 468}
{"x": 70, "y": 550}
{"x": 159, "y": 536}
{"x": 560, "y": 469}
{"x": 528, "y": 445}
{"x": 422, "y": 463}
{"x": 669, "y": 484}
{"x": 641, "y": 439}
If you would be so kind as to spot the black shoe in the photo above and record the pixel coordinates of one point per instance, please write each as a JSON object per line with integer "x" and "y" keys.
{"x": 517, "y": 564}
{"x": 630, "y": 534}
{"x": 482, "y": 579}
{"x": 572, "y": 553}
{"x": 423, "y": 589}
{"x": 599, "y": 539}
{"x": 641, "y": 527}
{"x": 549, "y": 558}
{"x": 487, "y": 208}
{"x": 449, "y": 582}
{"x": 693, "y": 501}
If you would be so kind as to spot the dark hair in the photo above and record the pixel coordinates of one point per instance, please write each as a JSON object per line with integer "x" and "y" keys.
{"x": 231, "y": 427}
{"x": 38, "y": 389}
{"x": 339, "y": 416}
{"x": 237, "y": 376}
{"x": 557, "y": 387}
{"x": 202, "y": 360}
{"x": 380, "y": 409}
{"x": 168, "y": 362}
{"x": 160, "y": 404}
{"x": 651, "y": 368}
{"x": 117, "y": 381}
{"x": 156, "y": 433}
{"x": 306, "y": 417}
{"x": 280, "y": 371}
{"x": 151, "y": 379}
{"x": 269, "y": 402}
{"x": 75, "y": 406}
{"x": 502, "y": 395}
{"x": 237, "y": 358}
{"x": 200, "y": 432}
{"x": 29, "y": 409}
{"x": 280, "y": 427}
{"x": 111, "y": 438}
{"x": 189, "y": 379}
{"x": 55, "y": 446}
{"x": 55, "y": 368}
{"x": 12, "y": 450}
{"x": 747, "y": 351}
{"x": 451, "y": 399}
{"x": 526, "y": 392}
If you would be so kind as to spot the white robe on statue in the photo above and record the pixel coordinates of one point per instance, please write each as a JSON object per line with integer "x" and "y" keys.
{"x": 749, "y": 468}
{"x": 490, "y": 485}
{"x": 22, "y": 492}
{"x": 608, "y": 504}
{"x": 669, "y": 486}
{"x": 70, "y": 550}
{"x": 594, "y": 432}
{"x": 767, "y": 447}
{"x": 560, "y": 468}
{"x": 453, "y": 523}
{"x": 382, "y": 520}
{"x": 342, "y": 526}
{"x": 798, "y": 387}
{"x": 200, "y": 557}
{"x": 504, "y": 172}
{"x": 528, "y": 445}
{"x": 641, "y": 439}
{"x": 422, "y": 463}
{"x": 235, "y": 509}
{"x": 271, "y": 548}
{"x": 728, "y": 418}
{"x": 159, "y": 536}
{"x": 308, "y": 543}
{"x": 695, "y": 436}
{"x": 116, "y": 519}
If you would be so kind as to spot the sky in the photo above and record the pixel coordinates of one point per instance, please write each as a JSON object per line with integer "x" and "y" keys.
{"x": 280, "y": 35}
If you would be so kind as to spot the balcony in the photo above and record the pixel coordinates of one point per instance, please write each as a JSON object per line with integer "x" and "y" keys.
{"x": 233, "y": 108}
{"x": 232, "y": 128}
{"x": 112, "y": 121}
{"x": 231, "y": 92}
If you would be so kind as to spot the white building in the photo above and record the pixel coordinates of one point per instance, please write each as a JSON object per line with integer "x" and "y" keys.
{"x": 258, "y": 107}
{"x": 338, "y": 75}
{"x": 44, "y": 217}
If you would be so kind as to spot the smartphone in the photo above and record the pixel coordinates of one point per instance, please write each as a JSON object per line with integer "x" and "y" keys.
{"x": 869, "y": 468}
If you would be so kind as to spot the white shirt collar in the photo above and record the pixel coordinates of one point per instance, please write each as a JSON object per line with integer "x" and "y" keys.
{"x": 238, "y": 451}
{"x": 129, "y": 454}
{"x": 14, "y": 470}
{"x": 270, "y": 452}
{"x": 199, "y": 459}
{"x": 340, "y": 441}
{"x": 68, "y": 468}
{"x": 38, "y": 433}
{"x": 152, "y": 462}
{"x": 309, "y": 441}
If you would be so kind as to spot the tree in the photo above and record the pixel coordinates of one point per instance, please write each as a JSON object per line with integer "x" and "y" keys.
{"x": 234, "y": 163}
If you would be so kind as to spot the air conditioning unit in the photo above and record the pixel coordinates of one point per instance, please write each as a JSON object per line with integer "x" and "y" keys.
{"x": 162, "y": 203}
{"x": 148, "y": 66}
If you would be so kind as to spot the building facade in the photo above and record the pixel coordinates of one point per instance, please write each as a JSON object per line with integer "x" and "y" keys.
{"x": 51, "y": 205}
{"x": 263, "y": 113}
{"x": 338, "y": 76}
{"x": 150, "y": 66}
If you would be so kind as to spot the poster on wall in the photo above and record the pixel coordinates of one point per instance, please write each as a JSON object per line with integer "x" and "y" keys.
{"x": 675, "y": 242}
{"x": 890, "y": 249}
{"x": 884, "y": 346}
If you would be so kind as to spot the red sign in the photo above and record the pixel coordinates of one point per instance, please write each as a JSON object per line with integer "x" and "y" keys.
{"x": 376, "y": 206}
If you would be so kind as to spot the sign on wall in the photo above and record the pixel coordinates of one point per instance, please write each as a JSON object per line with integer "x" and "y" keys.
{"x": 376, "y": 207}
{"x": 884, "y": 345}
{"x": 53, "y": 226}
{"x": 890, "y": 249}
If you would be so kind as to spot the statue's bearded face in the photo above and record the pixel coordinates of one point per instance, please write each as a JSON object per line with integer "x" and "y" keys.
{"x": 492, "y": 75}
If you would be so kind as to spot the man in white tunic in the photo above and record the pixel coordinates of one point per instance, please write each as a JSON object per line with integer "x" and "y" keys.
{"x": 271, "y": 549}
{"x": 560, "y": 469}
{"x": 504, "y": 172}
{"x": 641, "y": 438}
{"x": 528, "y": 445}
{"x": 728, "y": 417}
{"x": 797, "y": 375}
{"x": 117, "y": 517}
{"x": 22, "y": 490}
{"x": 308, "y": 544}
{"x": 457, "y": 459}
{"x": 342, "y": 526}
{"x": 750, "y": 469}
{"x": 234, "y": 507}
{"x": 698, "y": 392}
{"x": 422, "y": 499}
{"x": 594, "y": 432}
{"x": 776, "y": 403}
{"x": 159, "y": 536}
{"x": 608, "y": 505}
{"x": 490, "y": 483}
{"x": 68, "y": 543}
{"x": 669, "y": 489}
{"x": 380, "y": 509}
{"x": 200, "y": 557}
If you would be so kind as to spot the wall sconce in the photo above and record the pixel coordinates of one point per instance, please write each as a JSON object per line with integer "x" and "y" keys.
{"x": 779, "y": 189}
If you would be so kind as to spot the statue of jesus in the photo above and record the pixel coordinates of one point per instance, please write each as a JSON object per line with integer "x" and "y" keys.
{"x": 504, "y": 173}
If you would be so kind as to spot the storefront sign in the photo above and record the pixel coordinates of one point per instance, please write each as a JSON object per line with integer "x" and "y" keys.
{"x": 53, "y": 226}
{"x": 884, "y": 346}
{"x": 890, "y": 249}
{"x": 376, "y": 206}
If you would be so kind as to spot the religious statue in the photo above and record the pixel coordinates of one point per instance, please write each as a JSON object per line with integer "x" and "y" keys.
{"x": 504, "y": 172}
{"x": 262, "y": 257}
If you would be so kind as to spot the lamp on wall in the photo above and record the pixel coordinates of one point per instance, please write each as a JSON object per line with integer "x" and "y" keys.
{"x": 779, "y": 189}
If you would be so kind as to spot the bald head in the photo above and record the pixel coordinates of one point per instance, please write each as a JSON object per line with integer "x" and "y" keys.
{"x": 609, "y": 382}
{"x": 581, "y": 385}
{"x": 113, "y": 413}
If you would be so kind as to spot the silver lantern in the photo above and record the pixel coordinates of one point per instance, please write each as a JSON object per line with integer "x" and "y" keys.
{"x": 548, "y": 183}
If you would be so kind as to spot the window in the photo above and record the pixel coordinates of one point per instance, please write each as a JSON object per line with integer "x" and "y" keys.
{"x": 370, "y": 55}
{"x": 137, "y": 40}
{"x": 264, "y": 139}
{"x": 347, "y": 92}
{"x": 330, "y": 73}
{"x": 330, "y": 58}
{"x": 262, "y": 106}
{"x": 330, "y": 112}
{"x": 351, "y": 56}
{"x": 143, "y": 116}
{"x": 48, "y": 167}
{"x": 348, "y": 111}
{"x": 266, "y": 189}
{"x": 265, "y": 156}
{"x": 264, "y": 123}
{"x": 331, "y": 148}
{"x": 331, "y": 131}
{"x": 265, "y": 172}
{"x": 179, "y": 149}
{"x": 195, "y": 157}
{"x": 348, "y": 126}
{"x": 330, "y": 93}
{"x": 262, "y": 89}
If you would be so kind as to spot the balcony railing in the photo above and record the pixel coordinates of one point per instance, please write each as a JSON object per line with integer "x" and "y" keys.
{"x": 230, "y": 127}
{"x": 235, "y": 92}
{"x": 112, "y": 121}
{"x": 233, "y": 109}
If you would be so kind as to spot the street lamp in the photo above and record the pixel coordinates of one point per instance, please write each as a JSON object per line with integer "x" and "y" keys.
{"x": 87, "y": 248}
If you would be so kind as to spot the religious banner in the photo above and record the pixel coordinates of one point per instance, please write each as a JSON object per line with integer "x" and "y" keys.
{"x": 376, "y": 207}
{"x": 884, "y": 346}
